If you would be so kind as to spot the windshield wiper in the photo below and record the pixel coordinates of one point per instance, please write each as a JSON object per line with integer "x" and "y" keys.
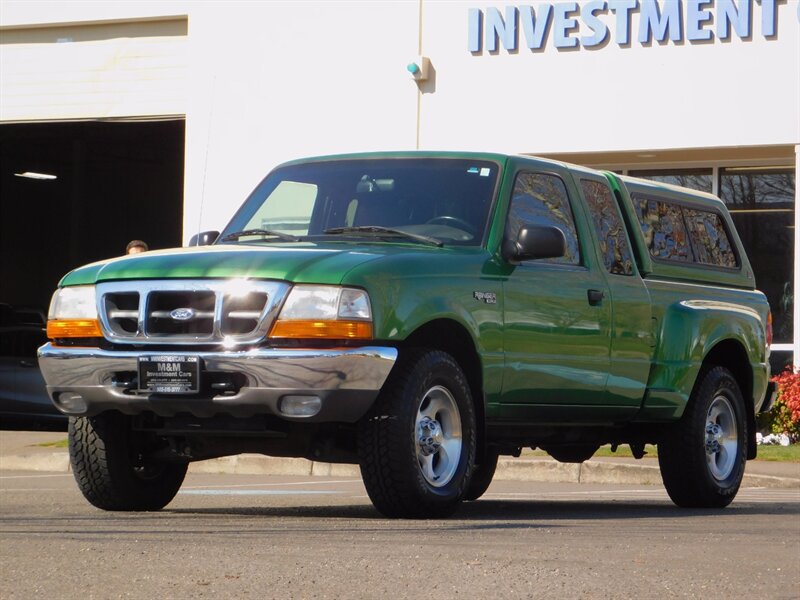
{"x": 284, "y": 237}
{"x": 379, "y": 231}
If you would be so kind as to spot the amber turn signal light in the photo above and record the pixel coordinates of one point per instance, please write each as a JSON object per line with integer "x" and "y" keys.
{"x": 332, "y": 330}
{"x": 74, "y": 328}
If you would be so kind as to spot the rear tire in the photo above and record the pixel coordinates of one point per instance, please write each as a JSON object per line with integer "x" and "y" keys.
{"x": 416, "y": 446}
{"x": 111, "y": 470}
{"x": 702, "y": 457}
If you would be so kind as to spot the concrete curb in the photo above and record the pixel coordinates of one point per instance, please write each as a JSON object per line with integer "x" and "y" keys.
{"x": 508, "y": 469}
{"x": 41, "y": 461}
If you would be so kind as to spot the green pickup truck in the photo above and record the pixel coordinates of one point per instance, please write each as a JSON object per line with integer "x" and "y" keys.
{"x": 420, "y": 314}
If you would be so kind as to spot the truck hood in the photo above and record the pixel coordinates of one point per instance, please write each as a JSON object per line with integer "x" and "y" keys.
{"x": 299, "y": 263}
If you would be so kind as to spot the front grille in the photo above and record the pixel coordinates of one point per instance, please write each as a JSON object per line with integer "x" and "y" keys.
{"x": 123, "y": 312}
{"x": 241, "y": 314}
{"x": 162, "y": 306}
{"x": 189, "y": 312}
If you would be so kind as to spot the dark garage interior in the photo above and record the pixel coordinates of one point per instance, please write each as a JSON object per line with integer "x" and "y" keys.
{"x": 70, "y": 194}
{"x": 115, "y": 181}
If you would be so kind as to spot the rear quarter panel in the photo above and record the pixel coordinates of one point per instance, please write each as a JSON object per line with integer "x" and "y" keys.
{"x": 690, "y": 321}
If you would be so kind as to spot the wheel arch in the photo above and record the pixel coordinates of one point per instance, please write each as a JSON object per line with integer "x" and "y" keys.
{"x": 693, "y": 334}
{"x": 454, "y": 338}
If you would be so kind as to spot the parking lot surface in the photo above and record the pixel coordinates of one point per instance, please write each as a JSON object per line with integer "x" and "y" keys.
{"x": 298, "y": 537}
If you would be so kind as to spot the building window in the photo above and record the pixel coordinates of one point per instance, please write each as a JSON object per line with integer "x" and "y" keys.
{"x": 761, "y": 201}
{"x": 696, "y": 179}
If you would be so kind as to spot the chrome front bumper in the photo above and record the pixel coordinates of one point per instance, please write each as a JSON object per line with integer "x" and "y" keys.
{"x": 347, "y": 380}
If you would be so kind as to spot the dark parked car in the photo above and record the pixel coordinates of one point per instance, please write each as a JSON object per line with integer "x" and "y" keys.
{"x": 24, "y": 403}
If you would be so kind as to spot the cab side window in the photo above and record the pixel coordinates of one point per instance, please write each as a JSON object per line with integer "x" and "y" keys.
{"x": 607, "y": 222}
{"x": 542, "y": 199}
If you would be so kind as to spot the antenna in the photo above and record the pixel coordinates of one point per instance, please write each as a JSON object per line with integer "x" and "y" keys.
{"x": 208, "y": 144}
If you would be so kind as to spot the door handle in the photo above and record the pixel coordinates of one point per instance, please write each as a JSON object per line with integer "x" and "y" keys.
{"x": 595, "y": 297}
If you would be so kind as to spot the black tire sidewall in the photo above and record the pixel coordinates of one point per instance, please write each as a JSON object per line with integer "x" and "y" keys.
{"x": 441, "y": 370}
{"x": 482, "y": 475}
{"x": 723, "y": 384}
{"x": 101, "y": 449}
{"x": 682, "y": 453}
{"x": 387, "y": 444}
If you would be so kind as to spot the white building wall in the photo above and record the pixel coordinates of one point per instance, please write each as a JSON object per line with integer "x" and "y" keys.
{"x": 671, "y": 95}
{"x": 277, "y": 81}
{"x": 270, "y": 81}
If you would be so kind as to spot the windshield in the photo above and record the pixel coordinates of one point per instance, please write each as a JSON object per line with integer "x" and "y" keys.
{"x": 446, "y": 200}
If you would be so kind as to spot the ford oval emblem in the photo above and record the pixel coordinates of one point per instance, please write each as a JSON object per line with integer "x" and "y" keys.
{"x": 182, "y": 314}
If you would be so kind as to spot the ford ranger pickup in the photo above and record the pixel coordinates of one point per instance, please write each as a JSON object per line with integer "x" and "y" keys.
{"x": 420, "y": 314}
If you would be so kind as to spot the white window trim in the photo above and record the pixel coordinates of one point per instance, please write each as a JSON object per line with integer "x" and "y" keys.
{"x": 796, "y": 349}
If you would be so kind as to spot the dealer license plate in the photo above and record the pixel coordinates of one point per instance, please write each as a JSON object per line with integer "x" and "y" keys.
{"x": 169, "y": 374}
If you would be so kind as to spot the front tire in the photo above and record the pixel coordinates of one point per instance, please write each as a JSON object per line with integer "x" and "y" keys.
{"x": 482, "y": 475}
{"x": 111, "y": 469}
{"x": 417, "y": 443}
{"x": 702, "y": 458}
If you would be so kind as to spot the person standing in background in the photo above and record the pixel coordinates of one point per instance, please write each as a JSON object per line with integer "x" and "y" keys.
{"x": 136, "y": 247}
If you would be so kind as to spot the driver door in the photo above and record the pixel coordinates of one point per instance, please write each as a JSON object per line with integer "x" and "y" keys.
{"x": 557, "y": 315}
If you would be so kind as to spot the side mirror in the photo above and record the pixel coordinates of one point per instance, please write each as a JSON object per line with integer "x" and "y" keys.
{"x": 204, "y": 238}
{"x": 535, "y": 241}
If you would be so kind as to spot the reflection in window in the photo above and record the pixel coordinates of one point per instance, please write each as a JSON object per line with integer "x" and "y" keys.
{"x": 761, "y": 201}
{"x": 696, "y": 179}
{"x": 663, "y": 229}
{"x": 540, "y": 199}
{"x": 710, "y": 240}
{"x": 288, "y": 209}
{"x": 608, "y": 225}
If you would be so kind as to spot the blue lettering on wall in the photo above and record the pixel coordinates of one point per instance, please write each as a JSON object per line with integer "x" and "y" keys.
{"x": 698, "y": 15}
{"x": 596, "y": 26}
{"x": 769, "y": 17}
{"x": 564, "y": 23}
{"x": 504, "y": 29}
{"x": 591, "y": 23}
{"x": 535, "y": 26}
{"x": 623, "y": 8}
{"x": 729, "y": 14}
{"x": 655, "y": 22}
{"x": 475, "y": 29}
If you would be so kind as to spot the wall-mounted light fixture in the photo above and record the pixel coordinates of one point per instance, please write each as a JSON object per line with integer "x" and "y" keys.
{"x": 420, "y": 69}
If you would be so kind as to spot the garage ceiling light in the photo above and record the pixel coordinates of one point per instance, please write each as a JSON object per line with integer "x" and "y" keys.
{"x": 34, "y": 175}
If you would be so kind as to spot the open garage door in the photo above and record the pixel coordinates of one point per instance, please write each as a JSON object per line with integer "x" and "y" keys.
{"x": 99, "y": 185}
{"x": 73, "y": 193}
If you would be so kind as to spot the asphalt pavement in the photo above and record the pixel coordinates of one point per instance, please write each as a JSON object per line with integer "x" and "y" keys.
{"x": 315, "y": 538}
{"x": 33, "y": 451}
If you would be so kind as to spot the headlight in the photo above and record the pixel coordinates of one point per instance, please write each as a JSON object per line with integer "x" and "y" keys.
{"x": 77, "y": 302}
{"x": 324, "y": 311}
{"x": 73, "y": 313}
